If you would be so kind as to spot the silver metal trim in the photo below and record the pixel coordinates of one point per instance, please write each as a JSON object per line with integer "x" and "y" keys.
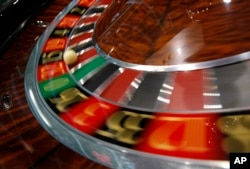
{"x": 173, "y": 68}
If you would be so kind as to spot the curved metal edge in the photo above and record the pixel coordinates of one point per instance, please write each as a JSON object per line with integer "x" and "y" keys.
{"x": 77, "y": 140}
{"x": 173, "y": 68}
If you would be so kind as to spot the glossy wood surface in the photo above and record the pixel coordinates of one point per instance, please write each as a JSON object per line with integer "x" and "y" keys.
{"x": 174, "y": 32}
{"x": 23, "y": 142}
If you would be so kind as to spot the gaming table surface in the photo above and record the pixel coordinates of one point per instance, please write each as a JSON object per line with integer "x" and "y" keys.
{"x": 169, "y": 91}
{"x": 23, "y": 142}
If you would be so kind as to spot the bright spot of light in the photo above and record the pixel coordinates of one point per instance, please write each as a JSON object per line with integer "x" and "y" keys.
{"x": 179, "y": 50}
{"x": 15, "y": 2}
{"x": 227, "y": 1}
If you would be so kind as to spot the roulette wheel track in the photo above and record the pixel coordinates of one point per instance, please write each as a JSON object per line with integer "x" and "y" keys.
{"x": 127, "y": 115}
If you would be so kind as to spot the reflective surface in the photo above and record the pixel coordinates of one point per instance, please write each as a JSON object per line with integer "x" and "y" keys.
{"x": 24, "y": 144}
{"x": 216, "y": 89}
{"x": 14, "y": 15}
{"x": 202, "y": 33}
{"x": 130, "y": 117}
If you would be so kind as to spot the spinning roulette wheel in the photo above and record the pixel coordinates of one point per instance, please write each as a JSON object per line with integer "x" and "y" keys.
{"x": 145, "y": 84}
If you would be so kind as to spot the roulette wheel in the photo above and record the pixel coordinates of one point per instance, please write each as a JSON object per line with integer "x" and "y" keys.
{"x": 145, "y": 84}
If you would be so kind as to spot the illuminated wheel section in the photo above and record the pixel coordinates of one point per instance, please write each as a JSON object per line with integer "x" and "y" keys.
{"x": 170, "y": 90}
